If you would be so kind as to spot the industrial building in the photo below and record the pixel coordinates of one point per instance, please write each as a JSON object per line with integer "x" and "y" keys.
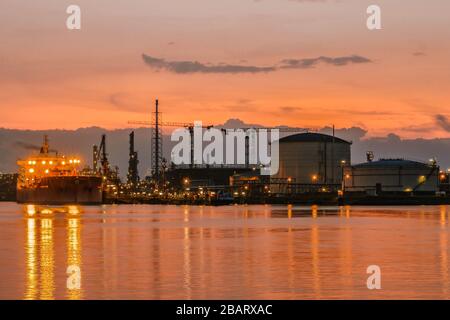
{"x": 312, "y": 158}
{"x": 392, "y": 176}
{"x": 8, "y": 184}
{"x": 185, "y": 177}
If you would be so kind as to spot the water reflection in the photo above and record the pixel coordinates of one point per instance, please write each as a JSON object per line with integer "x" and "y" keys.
{"x": 74, "y": 256}
{"x": 40, "y": 258}
{"x": 31, "y": 261}
{"x": 47, "y": 260}
{"x": 233, "y": 252}
{"x": 443, "y": 243}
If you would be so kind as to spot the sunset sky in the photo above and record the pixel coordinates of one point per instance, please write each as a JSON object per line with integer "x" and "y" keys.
{"x": 300, "y": 63}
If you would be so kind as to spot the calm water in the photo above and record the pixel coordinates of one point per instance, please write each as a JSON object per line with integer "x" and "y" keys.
{"x": 233, "y": 252}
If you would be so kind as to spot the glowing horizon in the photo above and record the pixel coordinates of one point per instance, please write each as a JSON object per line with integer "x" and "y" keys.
{"x": 55, "y": 78}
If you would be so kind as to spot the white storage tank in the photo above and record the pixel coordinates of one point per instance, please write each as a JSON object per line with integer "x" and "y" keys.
{"x": 313, "y": 158}
{"x": 392, "y": 175}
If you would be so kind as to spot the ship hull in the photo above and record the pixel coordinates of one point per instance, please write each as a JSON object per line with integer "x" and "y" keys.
{"x": 63, "y": 190}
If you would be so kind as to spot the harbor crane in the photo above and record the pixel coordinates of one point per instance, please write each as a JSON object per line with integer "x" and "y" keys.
{"x": 188, "y": 125}
{"x": 156, "y": 139}
{"x": 101, "y": 157}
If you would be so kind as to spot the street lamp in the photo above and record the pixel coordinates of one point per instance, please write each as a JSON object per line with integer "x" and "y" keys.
{"x": 343, "y": 163}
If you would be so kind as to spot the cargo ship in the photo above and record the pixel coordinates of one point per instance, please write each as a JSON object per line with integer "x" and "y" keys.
{"x": 48, "y": 178}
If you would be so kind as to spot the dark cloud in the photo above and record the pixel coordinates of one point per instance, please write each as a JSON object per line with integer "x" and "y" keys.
{"x": 443, "y": 122}
{"x": 236, "y": 124}
{"x": 353, "y": 134}
{"x": 16, "y": 144}
{"x": 186, "y": 67}
{"x": 311, "y": 62}
{"x": 189, "y": 67}
{"x": 419, "y": 54}
{"x": 419, "y": 128}
{"x": 289, "y": 109}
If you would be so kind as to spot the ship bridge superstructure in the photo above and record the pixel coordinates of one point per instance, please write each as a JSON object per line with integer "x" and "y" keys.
{"x": 46, "y": 164}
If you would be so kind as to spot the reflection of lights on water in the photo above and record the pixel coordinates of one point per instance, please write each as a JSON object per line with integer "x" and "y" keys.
{"x": 186, "y": 214}
{"x": 31, "y": 261}
{"x": 46, "y": 223}
{"x": 314, "y": 211}
{"x": 40, "y": 252}
{"x": 47, "y": 262}
{"x": 74, "y": 258}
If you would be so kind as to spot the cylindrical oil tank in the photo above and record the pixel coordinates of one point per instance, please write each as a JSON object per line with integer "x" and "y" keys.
{"x": 312, "y": 158}
{"x": 392, "y": 175}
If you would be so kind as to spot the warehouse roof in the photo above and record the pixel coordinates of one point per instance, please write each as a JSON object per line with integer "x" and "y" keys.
{"x": 312, "y": 137}
{"x": 392, "y": 163}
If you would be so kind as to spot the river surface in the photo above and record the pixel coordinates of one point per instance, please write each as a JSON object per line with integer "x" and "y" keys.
{"x": 230, "y": 252}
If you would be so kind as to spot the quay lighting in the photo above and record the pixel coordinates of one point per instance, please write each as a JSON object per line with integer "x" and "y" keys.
{"x": 73, "y": 210}
{"x": 46, "y": 211}
{"x": 186, "y": 180}
{"x": 31, "y": 209}
{"x": 314, "y": 177}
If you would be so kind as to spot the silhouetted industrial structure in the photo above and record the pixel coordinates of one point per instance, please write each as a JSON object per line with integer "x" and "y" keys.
{"x": 100, "y": 157}
{"x": 133, "y": 176}
{"x": 156, "y": 156}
